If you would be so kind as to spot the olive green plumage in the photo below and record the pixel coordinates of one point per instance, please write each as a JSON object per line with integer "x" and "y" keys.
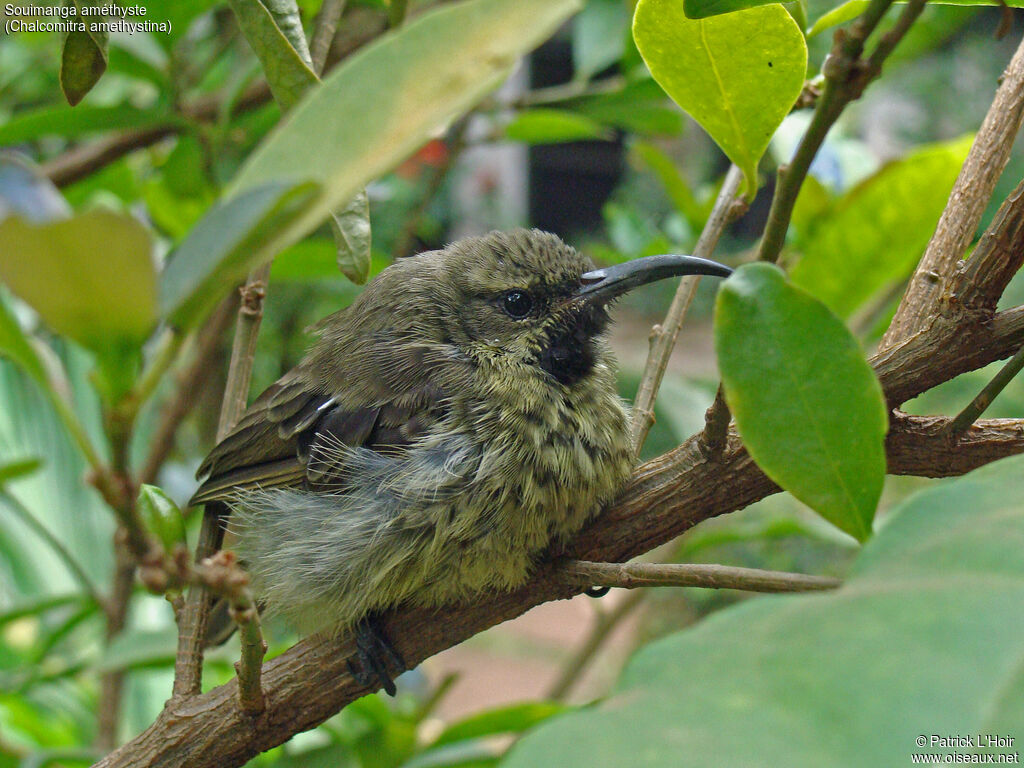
{"x": 445, "y": 429}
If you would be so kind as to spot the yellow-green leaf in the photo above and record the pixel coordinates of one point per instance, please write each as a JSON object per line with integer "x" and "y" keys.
{"x": 737, "y": 75}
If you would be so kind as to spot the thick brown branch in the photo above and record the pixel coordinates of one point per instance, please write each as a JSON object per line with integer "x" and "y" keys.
{"x": 971, "y": 193}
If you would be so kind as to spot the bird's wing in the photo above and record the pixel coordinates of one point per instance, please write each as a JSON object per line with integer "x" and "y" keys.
{"x": 294, "y": 421}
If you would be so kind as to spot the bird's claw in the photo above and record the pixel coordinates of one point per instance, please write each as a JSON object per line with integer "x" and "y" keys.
{"x": 374, "y": 655}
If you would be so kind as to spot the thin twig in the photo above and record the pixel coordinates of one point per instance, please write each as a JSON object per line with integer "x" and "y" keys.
{"x": 222, "y": 574}
{"x": 196, "y": 614}
{"x": 663, "y": 336}
{"x": 324, "y": 29}
{"x": 984, "y": 399}
{"x": 584, "y": 573}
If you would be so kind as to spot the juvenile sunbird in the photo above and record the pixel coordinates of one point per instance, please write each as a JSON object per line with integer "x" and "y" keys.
{"x": 446, "y": 428}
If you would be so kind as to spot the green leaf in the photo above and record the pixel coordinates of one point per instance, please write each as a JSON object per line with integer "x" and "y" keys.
{"x": 737, "y": 75}
{"x": 13, "y": 470}
{"x": 83, "y": 58}
{"x": 701, "y": 9}
{"x": 926, "y": 637}
{"x": 639, "y": 107}
{"x": 90, "y": 277}
{"x": 352, "y": 238}
{"x": 677, "y": 188}
{"x": 161, "y": 516}
{"x": 15, "y": 346}
{"x": 598, "y": 37}
{"x": 514, "y": 718}
{"x": 138, "y": 649}
{"x": 806, "y": 403}
{"x": 219, "y": 250}
{"x": 358, "y": 124}
{"x": 553, "y": 126}
{"x": 71, "y": 123}
{"x": 841, "y": 14}
{"x": 287, "y": 72}
{"x": 38, "y": 605}
{"x": 873, "y": 236}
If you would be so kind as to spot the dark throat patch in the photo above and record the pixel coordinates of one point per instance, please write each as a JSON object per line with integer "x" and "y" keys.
{"x": 568, "y": 352}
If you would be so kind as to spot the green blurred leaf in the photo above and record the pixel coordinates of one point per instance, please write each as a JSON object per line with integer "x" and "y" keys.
{"x": 15, "y": 345}
{"x": 514, "y": 718}
{"x": 672, "y": 180}
{"x": 640, "y": 107}
{"x": 287, "y": 72}
{"x": 13, "y": 470}
{"x": 161, "y": 516}
{"x": 26, "y": 192}
{"x": 841, "y": 14}
{"x": 218, "y": 251}
{"x": 353, "y": 237}
{"x": 737, "y": 75}
{"x": 35, "y": 606}
{"x": 873, "y": 235}
{"x": 552, "y": 126}
{"x": 807, "y": 404}
{"x": 90, "y": 277}
{"x": 70, "y": 123}
{"x": 598, "y": 36}
{"x": 83, "y": 58}
{"x": 138, "y": 649}
{"x": 329, "y": 756}
{"x": 926, "y": 637}
{"x": 358, "y": 124}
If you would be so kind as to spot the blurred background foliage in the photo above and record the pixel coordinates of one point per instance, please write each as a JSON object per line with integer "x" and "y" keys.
{"x": 582, "y": 142}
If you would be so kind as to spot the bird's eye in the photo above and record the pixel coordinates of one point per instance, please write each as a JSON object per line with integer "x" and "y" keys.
{"x": 517, "y": 304}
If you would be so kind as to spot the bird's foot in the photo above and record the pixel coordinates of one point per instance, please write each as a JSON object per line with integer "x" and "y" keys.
{"x": 375, "y": 655}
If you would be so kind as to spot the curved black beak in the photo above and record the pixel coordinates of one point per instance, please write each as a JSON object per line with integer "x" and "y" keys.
{"x": 605, "y": 284}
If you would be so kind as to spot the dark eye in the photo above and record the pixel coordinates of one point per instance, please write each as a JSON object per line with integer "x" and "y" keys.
{"x": 517, "y": 304}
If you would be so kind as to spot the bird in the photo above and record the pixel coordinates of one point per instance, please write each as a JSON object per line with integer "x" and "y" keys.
{"x": 449, "y": 426}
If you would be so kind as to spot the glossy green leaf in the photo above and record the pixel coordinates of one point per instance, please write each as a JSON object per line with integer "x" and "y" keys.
{"x": 873, "y": 236}
{"x": 926, "y": 637}
{"x": 514, "y": 718}
{"x": 218, "y": 251}
{"x": 553, "y": 126}
{"x": 701, "y": 9}
{"x": 83, "y": 58}
{"x": 353, "y": 237}
{"x": 287, "y": 71}
{"x": 90, "y": 277}
{"x": 737, "y": 75}
{"x": 806, "y": 403}
{"x": 161, "y": 516}
{"x": 15, "y": 346}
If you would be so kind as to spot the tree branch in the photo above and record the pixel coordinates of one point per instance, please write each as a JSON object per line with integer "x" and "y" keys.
{"x": 971, "y": 192}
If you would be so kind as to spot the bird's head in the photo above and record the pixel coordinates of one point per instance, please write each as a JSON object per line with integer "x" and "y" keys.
{"x": 520, "y": 301}
{"x": 526, "y": 298}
